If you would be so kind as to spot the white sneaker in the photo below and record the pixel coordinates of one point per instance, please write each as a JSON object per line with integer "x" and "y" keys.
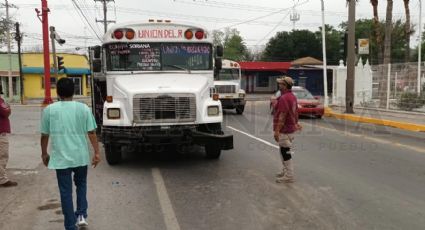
{"x": 81, "y": 221}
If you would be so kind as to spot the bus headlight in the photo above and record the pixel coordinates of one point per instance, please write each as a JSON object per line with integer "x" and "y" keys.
{"x": 241, "y": 95}
{"x": 213, "y": 110}
{"x": 114, "y": 113}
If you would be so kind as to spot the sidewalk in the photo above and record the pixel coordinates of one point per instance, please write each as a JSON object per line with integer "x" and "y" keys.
{"x": 411, "y": 121}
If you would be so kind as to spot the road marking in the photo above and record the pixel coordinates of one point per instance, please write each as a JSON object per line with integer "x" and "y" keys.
{"x": 253, "y": 137}
{"x": 417, "y": 149}
{"x": 170, "y": 219}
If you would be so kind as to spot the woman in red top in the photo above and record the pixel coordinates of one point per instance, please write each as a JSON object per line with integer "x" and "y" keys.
{"x": 4, "y": 142}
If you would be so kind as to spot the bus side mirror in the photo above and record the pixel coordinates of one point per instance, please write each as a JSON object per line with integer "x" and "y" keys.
{"x": 219, "y": 51}
{"x": 218, "y": 63}
{"x": 97, "y": 66}
{"x": 96, "y": 52}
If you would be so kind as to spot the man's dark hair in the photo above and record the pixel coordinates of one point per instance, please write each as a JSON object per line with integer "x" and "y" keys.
{"x": 65, "y": 87}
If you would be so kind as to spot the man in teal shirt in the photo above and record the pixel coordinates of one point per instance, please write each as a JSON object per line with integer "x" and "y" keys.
{"x": 67, "y": 123}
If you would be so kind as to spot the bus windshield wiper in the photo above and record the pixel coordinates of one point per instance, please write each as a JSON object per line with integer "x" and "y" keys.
{"x": 176, "y": 67}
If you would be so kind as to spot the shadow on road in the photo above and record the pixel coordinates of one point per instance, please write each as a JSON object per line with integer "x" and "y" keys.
{"x": 170, "y": 157}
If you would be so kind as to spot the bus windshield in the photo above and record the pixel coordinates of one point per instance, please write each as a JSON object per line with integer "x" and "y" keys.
{"x": 227, "y": 74}
{"x": 158, "y": 56}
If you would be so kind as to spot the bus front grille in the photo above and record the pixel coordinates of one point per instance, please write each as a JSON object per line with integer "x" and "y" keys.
{"x": 164, "y": 108}
{"x": 225, "y": 88}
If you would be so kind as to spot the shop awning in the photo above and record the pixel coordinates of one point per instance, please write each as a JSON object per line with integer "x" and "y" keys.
{"x": 265, "y": 66}
{"x": 68, "y": 71}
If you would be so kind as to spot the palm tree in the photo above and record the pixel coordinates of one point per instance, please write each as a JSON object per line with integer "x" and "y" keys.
{"x": 387, "y": 53}
{"x": 377, "y": 29}
{"x": 407, "y": 31}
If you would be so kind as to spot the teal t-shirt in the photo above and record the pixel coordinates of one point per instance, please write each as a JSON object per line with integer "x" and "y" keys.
{"x": 67, "y": 124}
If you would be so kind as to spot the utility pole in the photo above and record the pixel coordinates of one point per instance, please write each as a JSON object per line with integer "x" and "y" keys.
{"x": 349, "y": 88}
{"x": 105, "y": 9}
{"x": 45, "y": 25}
{"x": 52, "y": 39}
{"x": 294, "y": 17}
{"x": 9, "y": 72}
{"x": 55, "y": 37}
{"x": 325, "y": 70}
{"x": 18, "y": 38}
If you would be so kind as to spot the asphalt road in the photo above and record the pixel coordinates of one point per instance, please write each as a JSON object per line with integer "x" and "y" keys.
{"x": 349, "y": 176}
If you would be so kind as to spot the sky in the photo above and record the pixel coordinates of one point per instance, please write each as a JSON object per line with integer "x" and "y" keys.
{"x": 257, "y": 21}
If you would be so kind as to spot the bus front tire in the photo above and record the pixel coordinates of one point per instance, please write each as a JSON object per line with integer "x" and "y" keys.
{"x": 212, "y": 151}
{"x": 113, "y": 154}
{"x": 240, "y": 109}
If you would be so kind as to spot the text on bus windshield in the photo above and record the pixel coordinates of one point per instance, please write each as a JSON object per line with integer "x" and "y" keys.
{"x": 158, "y": 56}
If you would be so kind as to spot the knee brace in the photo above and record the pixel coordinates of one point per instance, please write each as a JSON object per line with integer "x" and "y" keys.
{"x": 286, "y": 154}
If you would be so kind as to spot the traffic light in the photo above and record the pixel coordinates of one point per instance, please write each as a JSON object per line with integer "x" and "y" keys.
{"x": 343, "y": 45}
{"x": 60, "y": 63}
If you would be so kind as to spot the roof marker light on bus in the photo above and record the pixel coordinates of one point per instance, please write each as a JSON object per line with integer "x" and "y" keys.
{"x": 118, "y": 34}
{"x": 109, "y": 99}
{"x": 188, "y": 34}
{"x": 151, "y": 20}
{"x": 129, "y": 34}
{"x": 199, "y": 34}
{"x": 167, "y": 21}
{"x": 158, "y": 20}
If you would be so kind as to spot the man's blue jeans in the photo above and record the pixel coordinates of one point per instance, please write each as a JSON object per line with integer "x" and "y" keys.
{"x": 64, "y": 177}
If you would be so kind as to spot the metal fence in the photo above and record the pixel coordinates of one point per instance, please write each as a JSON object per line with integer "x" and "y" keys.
{"x": 395, "y": 86}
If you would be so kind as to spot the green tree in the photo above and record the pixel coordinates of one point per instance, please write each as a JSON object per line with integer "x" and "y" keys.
{"x": 365, "y": 28}
{"x": 288, "y": 46}
{"x": 233, "y": 44}
{"x": 407, "y": 30}
{"x": 218, "y": 37}
{"x": 4, "y": 23}
{"x": 235, "y": 48}
{"x": 333, "y": 37}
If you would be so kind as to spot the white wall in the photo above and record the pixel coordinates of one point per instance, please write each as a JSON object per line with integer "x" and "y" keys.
{"x": 362, "y": 84}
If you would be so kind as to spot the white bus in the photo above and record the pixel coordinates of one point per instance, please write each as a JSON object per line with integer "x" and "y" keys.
{"x": 153, "y": 86}
{"x": 228, "y": 85}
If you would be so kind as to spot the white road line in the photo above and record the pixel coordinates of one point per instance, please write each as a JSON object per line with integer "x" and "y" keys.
{"x": 253, "y": 137}
{"x": 417, "y": 149}
{"x": 170, "y": 219}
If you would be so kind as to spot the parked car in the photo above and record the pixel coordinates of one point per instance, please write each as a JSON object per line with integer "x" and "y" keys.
{"x": 308, "y": 105}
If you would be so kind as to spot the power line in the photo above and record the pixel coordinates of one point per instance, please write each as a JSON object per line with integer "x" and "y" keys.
{"x": 105, "y": 14}
{"x": 91, "y": 15}
{"x": 264, "y": 16}
{"x": 304, "y": 12}
{"x": 273, "y": 29}
{"x": 185, "y": 16}
{"x": 226, "y": 5}
{"x": 91, "y": 27}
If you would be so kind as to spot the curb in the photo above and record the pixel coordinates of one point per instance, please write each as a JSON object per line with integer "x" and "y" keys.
{"x": 396, "y": 124}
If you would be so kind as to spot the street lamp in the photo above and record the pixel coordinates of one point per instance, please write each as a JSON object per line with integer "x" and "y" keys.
{"x": 325, "y": 72}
